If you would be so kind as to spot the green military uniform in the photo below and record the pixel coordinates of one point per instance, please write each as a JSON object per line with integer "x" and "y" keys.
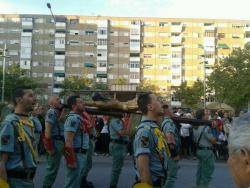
{"x": 149, "y": 140}
{"x": 18, "y": 140}
{"x": 74, "y": 124}
{"x": 205, "y": 156}
{"x": 168, "y": 126}
{"x": 117, "y": 148}
{"x": 53, "y": 161}
{"x": 89, "y": 161}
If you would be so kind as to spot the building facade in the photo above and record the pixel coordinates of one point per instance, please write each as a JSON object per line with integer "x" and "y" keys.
{"x": 166, "y": 51}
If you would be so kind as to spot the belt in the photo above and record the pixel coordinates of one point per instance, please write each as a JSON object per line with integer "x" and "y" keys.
{"x": 159, "y": 182}
{"x": 91, "y": 136}
{"x": 119, "y": 141}
{"x": 27, "y": 174}
{"x": 80, "y": 150}
{"x": 58, "y": 137}
{"x": 204, "y": 148}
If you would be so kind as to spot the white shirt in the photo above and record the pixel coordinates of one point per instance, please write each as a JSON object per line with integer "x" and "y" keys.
{"x": 105, "y": 129}
{"x": 185, "y": 129}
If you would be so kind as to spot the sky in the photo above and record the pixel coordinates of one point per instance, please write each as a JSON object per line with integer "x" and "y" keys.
{"x": 213, "y": 9}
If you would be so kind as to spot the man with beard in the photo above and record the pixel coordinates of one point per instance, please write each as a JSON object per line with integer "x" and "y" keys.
{"x": 53, "y": 141}
{"x": 76, "y": 143}
{"x": 17, "y": 142}
{"x": 150, "y": 148}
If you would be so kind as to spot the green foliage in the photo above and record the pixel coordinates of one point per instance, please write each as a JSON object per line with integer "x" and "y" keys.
{"x": 190, "y": 96}
{"x": 147, "y": 86}
{"x": 74, "y": 84}
{"x": 230, "y": 79}
{"x": 120, "y": 81}
{"x": 14, "y": 77}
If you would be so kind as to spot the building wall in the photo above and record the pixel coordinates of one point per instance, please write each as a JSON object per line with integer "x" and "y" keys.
{"x": 165, "y": 51}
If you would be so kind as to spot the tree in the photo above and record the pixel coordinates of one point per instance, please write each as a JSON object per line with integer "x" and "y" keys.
{"x": 120, "y": 81}
{"x": 230, "y": 79}
{"x": 190, "y": 96}
{"x": 74, "y": 84}
{"x": 14, "y": 77}
{"x": 147, "y": 86}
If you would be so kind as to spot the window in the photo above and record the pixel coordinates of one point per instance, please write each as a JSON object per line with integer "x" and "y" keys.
{"x": 134, "y": 54}
{"x": 73, "y": 21}
{"x": 102, "y": 64}
{"x": 221, "y": 35}
{"x": 102, "y": 31}
{"x": 102, "y": 42}
{"x": 163, "y": 56}
{"x": 147, "y": 56}
{"x": 163, "y": 24}
{"x": 209, "y": 34}
{"x": 89, "y": 33}
{"x": 134, "y": 64}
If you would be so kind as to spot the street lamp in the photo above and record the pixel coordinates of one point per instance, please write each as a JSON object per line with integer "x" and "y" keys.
{"x": 3, "y": 83}
{"x": 204, "y": 82}
{"x": 53, "y": 67}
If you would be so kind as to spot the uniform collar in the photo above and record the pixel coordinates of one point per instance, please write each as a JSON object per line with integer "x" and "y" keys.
{"x": 151, "y": 123}
{"x": 73, "y": 113}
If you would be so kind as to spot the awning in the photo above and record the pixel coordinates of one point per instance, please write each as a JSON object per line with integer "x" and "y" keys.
{"x": 89, "y": 65}
{"x": 98, "y": 75}
{"x": 223, "y": 46}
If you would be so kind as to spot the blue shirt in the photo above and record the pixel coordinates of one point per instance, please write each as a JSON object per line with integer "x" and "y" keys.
{"x": 168, "y": 126}
{"x": 37, "y": 124}
{"x": 52, "y": 118}
{"x": 145, "y": 143}
{"x": 74, "y": 123}
{"x": 116, "y": 125}
{"x": 10, "y": 144}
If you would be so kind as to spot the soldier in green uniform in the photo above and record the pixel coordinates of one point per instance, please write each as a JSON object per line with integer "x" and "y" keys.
{"x": 150, "y": 148}
{"x": 205, "y": 140}
{"x": 118, "y": 147}
{"x": 53, "y": 141}
{"x": 174, "y": 143}
{"x": 17, "y": 142}
{"x": 76, "y": 143}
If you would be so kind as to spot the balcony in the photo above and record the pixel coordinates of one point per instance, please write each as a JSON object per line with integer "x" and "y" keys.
{"x": 134, "y": 81}
{"x": 209, "y": 49}
{"x": 59, "y": 79}
{"x": 59, "y": 68}
{"x": 209, "y": 28}
{"x": 135, "y": 37}
{"x": 176, "y": 82}
{"x": 27, "y": 24}
{"x": 26, "y": 34}
{"x": 60, "y": 35}
{"x": 176, "y": 40}
{"x": 102, "y": 69}
{"x": 177, "y": 49}
{"x": 102, "y": 47}
{"x": 176, "y": 28}
{"x": 247, "y": 40}
{"x": 247, "y": 29}
{"x": 209, "y": 41}
{"x": 176, "y": 60}
{"x": 62, "y": 57}
{"x": 60, "y": 25}
{"x": 134, "y": 69}
{"x": 57, "y": 90}
{"x": 135, "y": 48}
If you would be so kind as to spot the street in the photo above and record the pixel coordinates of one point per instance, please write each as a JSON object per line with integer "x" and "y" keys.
{"x": 100, "y": 174}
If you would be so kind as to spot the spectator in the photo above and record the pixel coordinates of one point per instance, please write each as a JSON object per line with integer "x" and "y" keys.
{"x": 186, "y": 137}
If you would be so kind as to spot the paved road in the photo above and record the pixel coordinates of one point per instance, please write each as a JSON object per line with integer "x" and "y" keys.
{"x": 100, "y": 174}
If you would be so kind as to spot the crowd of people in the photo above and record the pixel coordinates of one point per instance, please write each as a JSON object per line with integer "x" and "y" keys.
{"x": 69, "y": 132}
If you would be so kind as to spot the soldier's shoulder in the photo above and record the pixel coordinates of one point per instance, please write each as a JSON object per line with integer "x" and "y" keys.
{"x": 10, "y": 118}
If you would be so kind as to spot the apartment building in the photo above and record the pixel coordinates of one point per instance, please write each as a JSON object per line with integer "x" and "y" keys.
{"x": 166, "y": 51}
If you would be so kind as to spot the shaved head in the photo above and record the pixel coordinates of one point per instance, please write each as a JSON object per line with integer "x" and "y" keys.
{"x": 54, "y": 102}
